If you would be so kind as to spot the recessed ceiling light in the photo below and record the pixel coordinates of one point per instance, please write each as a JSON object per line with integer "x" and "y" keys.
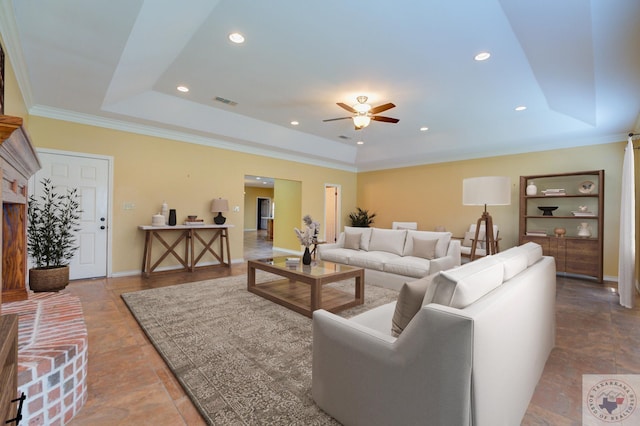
{"x": 520, "y": 108}
{"x": 183, "y": 89}
{"x": 360, "y": 143}
{"x": 424, "y": 128}
{"x": 258, "y": 178}
{"x": 294, "y": 123}
{"x": 236, "y": 38}
{"x": 482, "y": 56}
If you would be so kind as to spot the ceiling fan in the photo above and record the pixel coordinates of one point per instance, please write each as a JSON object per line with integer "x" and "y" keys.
{"x": 364, "y": 113}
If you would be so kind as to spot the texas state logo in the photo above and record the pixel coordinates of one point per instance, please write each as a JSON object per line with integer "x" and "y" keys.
{"x": 610, "y": 399}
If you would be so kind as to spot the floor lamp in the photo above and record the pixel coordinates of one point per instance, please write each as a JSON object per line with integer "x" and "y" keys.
{"x": 486, "y": 191}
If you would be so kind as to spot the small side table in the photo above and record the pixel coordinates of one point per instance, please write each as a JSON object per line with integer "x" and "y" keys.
{"x": 187, "y": 235}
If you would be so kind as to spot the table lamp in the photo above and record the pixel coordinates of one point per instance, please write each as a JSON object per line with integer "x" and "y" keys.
{"x": 219, "y": 205}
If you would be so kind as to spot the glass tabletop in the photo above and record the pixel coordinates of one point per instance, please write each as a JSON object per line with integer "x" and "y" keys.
{"x": 317, "y": 267}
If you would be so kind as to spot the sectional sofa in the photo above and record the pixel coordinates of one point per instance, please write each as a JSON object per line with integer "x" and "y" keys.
{"x": 392, "y": 257}
{"x": 473, "y": 342}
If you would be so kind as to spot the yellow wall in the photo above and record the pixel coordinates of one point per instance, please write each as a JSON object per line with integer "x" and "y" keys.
{"x": 432, "y": 194}
{"x": 148, "y": 170}
{"x": 251, "y": 194}
{"x": 287, "y": 195}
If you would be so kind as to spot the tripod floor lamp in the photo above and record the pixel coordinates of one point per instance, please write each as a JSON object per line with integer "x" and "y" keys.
{"x": 486, "y": 191}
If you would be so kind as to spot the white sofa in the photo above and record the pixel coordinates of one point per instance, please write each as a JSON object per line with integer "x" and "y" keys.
{"x": 392, "y": 257}
{"x": 472, "y": 354}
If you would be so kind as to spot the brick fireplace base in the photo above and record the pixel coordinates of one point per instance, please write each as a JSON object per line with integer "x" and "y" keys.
{"x": 52, "y": 357}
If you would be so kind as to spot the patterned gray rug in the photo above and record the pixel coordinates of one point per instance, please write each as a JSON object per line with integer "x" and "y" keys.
{"x": 241, "y": 358}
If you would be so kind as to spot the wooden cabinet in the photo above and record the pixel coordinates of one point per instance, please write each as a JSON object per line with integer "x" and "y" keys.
{"x": 573, "y": 232}
{"x": 18, "y": 162}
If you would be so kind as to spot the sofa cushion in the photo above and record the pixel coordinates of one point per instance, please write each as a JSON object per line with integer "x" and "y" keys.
{"x": 460, "y": 287}
{"x": 533, "y": 250}
{"x": 441, "y": 247}
{"x": 424, "y": 248}
{"x": 409, "y": 303}
{"x": 365, "y": 236}
{"x": 513, "y": 260}
{"x": 390, "y": 240}
{"x": 352, "y": 240}
{"x": 337, "y": 255}
{"x": 408, "y": 266}
{"x": 371, "y": 259}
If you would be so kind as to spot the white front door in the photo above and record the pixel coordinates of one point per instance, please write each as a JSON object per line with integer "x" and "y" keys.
{"x": 91, "y": 176}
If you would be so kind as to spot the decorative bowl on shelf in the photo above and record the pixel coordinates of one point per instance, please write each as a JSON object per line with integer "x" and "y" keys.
{"x": 547, "y": 210}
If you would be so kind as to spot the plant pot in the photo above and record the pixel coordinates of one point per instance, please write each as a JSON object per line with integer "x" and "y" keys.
{"x": 48, "y": 279}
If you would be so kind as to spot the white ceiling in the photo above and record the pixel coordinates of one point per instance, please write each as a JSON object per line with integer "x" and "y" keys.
{"x": 575, "y": 64}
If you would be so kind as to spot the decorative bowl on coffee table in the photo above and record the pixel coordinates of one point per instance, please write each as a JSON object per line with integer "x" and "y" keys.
{"x": 547, "y": 210}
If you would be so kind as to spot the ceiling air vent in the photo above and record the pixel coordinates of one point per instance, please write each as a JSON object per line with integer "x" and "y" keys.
{"x": 225, "y": 101}
{"x": 344, "y": 137}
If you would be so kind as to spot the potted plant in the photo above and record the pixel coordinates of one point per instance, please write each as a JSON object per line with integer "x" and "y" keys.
{"x": 53, "y": 220}
{"x": 361, "y": 218}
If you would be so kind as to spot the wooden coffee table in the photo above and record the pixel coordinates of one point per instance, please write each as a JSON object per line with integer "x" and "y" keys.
{"x": 302, "y": 288}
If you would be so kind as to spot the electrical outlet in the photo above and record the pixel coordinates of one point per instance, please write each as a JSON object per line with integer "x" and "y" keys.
{"x": 128, "y": 206}
{"x": 236, "y": 208}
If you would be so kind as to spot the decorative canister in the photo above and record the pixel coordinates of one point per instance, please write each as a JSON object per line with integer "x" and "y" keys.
{"x": 172, "y": 217}
{"x": 164, "y": 211}
{"x": 532, "y": 189}
{"x": 157, "y": 220}
{"x": 584, "y": 230}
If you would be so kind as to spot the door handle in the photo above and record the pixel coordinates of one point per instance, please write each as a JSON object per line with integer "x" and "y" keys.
{"x": 102, "y": 227}
{"x": 102, "y": 219}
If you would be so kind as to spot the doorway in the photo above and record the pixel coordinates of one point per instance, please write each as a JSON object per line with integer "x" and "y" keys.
{"x": 92, "y": 176}
{"x": 332, "y": 196}
{"x": 263, "y": 212}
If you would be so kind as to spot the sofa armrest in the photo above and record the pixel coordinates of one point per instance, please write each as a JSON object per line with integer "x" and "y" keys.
{"x": 454, "y": 252}
{"x": 361, "y": 376}
{"x": 442, "y": 264}
{"x": 322, "y": 247}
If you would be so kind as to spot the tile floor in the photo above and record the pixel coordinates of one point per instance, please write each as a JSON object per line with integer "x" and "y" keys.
{"x": 129, "y": 383}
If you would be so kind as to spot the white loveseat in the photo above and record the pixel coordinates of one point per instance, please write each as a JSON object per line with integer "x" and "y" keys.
{"x": 392, "y": 257}
{"x": 472, "y": 354}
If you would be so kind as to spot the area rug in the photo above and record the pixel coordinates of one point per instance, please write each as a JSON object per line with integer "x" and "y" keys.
{"x": 241, "y": 358}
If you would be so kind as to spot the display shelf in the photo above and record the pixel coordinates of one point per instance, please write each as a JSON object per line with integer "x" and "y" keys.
{"x": 577, "y": 251}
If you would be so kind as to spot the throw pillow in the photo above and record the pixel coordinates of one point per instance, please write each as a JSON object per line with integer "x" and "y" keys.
{"x": 409, "y": 303}
{"x": 351, "y": 241}
{"x": 424, "y": 248}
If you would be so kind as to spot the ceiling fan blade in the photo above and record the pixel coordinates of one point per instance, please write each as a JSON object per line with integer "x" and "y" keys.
{"x": 347, "y": 107}
{"x": 334, "y": 119}
{"x": 385, "y": 119}
{"x": 381, "y": 108}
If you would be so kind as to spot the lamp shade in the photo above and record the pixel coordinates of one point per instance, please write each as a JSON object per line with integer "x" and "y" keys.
{"x": 219, "y": 205}
{"x": 486, "y": 190}
{"x": 361, "y": 121}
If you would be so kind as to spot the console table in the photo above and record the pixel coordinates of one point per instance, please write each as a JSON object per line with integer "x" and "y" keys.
{"x": 171, "y": 237}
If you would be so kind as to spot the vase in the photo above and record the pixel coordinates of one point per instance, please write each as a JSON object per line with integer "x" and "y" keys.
{"x": 172, "y": 217}
{"x": 306, "y": 257}
{"x": 532, "y": 189}
{"x": 584, "y": 230}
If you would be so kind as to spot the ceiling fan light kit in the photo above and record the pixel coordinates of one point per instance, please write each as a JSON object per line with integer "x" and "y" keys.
{"x": 364, "y": 113}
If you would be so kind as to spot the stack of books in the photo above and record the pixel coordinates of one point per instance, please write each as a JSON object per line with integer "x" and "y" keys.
{"x": 292, "y": 262}
{"x": 554, "y": 192}
{"x": 194, "y": 222}
{"x": 536, "y": 233}
{"x": 583, "y": 213}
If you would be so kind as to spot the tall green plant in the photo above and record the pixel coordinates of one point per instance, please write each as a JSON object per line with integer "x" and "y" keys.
{"x": 361, "y": 218}
{"x": 53, "y": 221}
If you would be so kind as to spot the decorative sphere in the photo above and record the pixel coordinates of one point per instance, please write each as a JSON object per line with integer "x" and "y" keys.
{"x": 559, "y": 232}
